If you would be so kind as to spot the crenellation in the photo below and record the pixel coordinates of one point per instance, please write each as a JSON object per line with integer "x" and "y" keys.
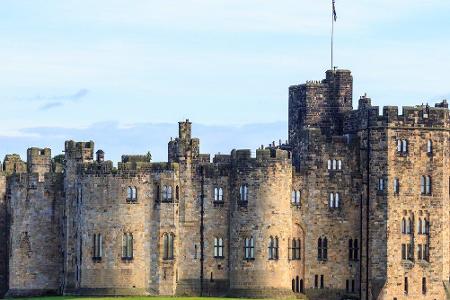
{"x": 319, "y": 216}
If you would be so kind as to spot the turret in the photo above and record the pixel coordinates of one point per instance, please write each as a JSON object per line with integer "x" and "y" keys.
{"x": 39, "y": 161}
{"x": 184, "y": 146}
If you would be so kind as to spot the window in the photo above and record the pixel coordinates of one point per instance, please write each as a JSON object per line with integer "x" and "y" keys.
{"x": 403, "y": 226}
{"x": 131, "y": 194}
{"x": 127, "y": 246}
{"x": 98, "y": 247}
{"x": 353, "y": 250}
{"x": 177, "y": 193}
{"x": 424, "y": 286}
{"x": 168, "y": 247}
{"x": 243, "y": 193}
{"x": 334, "y": 200}
{"x": 218, "y": 248}
{"x": 334, "y": 164}
{"x": 406, "y": 286}
{"x": 425, "y": 185}
{"x": 407, "y": 252}
{"x": 402, "y": 146}
{"x": 167, "y": 193}
{"x": 322, "y": 249}
{"x": 295, "y": 197}
{"x": 322, "y": 284}
{"x": 396, "y": 186}
{"x": 296, "y": 249}
{"x": 249, "y": 248}
{"x": 430, "y": 147}
{"x": 423, "y": 252}
{"x": 419, "y": 226}
{"x": 273, "y": 248}
{"x": 409, "y": 226}
{"x": 316, "y": 281}
{"x": 425, "y": 226}
{"x": 218, "y": 194}
{"x": 380, "y": 184}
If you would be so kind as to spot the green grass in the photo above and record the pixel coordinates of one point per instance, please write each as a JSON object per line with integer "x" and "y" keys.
{"x": 122, "y": 298}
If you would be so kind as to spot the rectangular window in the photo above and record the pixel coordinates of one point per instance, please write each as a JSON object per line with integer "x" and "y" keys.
{"x": 98, "y": 247}
{"x": 127, "y": 246}
{"x": 406, "y": 286}
{"x": 321, "y": 282}
{"x": 218, "y": 248}
{"x": 404, "y": 251}
{"x": 424, "y": 286}
{"x": 249, "y": 249}
{"x": 316, "y": 281}
{"x": 396, "y": 186}
{"x": 381, "y": 184}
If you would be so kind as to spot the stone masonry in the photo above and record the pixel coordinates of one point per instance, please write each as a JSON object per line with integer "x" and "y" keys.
{"x": 354, "y": 206}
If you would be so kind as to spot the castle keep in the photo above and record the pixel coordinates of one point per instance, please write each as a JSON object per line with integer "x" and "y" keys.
{"x": 355, "y": 205}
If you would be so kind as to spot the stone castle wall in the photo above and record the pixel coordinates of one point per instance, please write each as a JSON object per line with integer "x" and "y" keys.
{"x": 50, "y": 210}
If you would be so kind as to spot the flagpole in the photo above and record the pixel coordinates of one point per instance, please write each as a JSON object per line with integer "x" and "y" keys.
{"x": 332, "y": 34}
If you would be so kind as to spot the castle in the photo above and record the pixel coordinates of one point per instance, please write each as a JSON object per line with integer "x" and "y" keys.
{"x": 354, "y": 206}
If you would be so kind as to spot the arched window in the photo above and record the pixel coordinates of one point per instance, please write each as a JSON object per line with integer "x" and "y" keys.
{"x": 127, "y": 246}
{"x": 339, "y": 164}
{"x": 131, "y": 194}
{"x": 399, "y": 146}
{"x": 329, "y": 164}
{"x": 243, "y": 191}
{"x": 403, "y": 226}
{"x": 429, "y": 146}
{"x": 218, "y": 248}
{"x": 336, "y": 200}
{"x": 249, "y": 248}
{"x": 334, "y": 164}
{"x": 419, "y": 227}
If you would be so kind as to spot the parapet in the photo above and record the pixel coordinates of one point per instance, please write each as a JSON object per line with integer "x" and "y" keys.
{"x": 420, "y": 115}
{"x": 83, "y": 151}
{"x": 39, "y": 160}
{"x": 136, "y": 158}
{"x": 14, "y": 164}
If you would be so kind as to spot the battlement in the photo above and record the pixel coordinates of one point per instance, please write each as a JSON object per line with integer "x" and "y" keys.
{"x": 263, "y": 156}
{"x": 39, "y": 160}
{"x": 420, "y": 115}
{"x": 83, "y": 151}
{"x": 14, "y": 164}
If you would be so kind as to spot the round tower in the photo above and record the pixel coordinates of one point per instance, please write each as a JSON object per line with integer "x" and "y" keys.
{"x": 261, "y": 224}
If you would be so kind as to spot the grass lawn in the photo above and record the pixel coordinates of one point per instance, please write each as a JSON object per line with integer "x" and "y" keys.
{"x": 121, "y": 298}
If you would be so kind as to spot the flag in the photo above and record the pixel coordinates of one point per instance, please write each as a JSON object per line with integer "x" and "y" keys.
{"x": 334, "y": 10}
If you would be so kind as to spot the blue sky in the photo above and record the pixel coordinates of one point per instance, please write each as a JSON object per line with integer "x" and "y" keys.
{"x": 125, "y": 72}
